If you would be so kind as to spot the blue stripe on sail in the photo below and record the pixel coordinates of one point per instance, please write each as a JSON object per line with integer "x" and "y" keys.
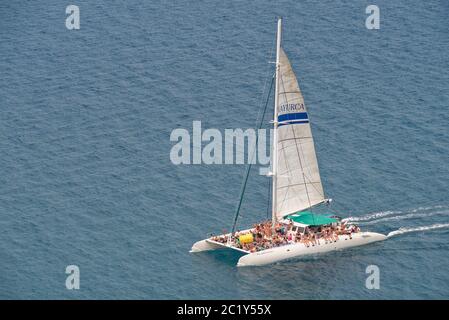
{"x": 293, "y": 116}
{"x": 293, "y": 122}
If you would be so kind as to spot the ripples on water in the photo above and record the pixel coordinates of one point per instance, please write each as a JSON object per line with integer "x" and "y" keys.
{"x": 84, "y": 139}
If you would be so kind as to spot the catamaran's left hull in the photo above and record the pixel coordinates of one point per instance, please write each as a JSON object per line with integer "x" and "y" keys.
{"x": 298, "y": 250}
{"x": 204, "y": 245}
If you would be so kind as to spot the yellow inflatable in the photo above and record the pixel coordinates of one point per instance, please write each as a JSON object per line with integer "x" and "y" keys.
{"x": 246, "y": 238}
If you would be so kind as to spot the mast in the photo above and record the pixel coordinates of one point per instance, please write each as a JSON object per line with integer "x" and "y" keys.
{"x": 275, "y": 124}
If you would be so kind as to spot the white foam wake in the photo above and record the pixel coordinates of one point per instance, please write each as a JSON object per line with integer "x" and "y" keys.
{"x": 371, "y": 216}
{"x": 375, "y": 217}
{"x": 416, "y": 229}
{"x": 407, "y": 216}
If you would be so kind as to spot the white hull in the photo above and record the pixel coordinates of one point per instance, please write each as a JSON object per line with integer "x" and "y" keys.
{"x": 295, "y": 250}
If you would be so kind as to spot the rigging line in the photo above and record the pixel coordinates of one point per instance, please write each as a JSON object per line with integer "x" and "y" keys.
{"x": 269, "y": 198}
{"x": 312, "y": 183}
{"x": 308, "y": 178}
{"x": 297, "y": 184}
{"x": 248, "y": 168}
{"x": 299, "y": 138}
{"x": 302, "y": 152}
{"x": 297, "y": 151}
{"x": 242, "y": 191}
{"x": 305, "y": 182}
{"x": 290, "y": 92}
{"x": 305, "y": 175}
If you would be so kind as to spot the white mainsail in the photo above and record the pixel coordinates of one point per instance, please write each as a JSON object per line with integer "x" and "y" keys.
{"x": 298, "y": 182}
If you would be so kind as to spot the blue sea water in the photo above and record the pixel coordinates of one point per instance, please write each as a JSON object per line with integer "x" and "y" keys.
{"x": 85, "y": 123}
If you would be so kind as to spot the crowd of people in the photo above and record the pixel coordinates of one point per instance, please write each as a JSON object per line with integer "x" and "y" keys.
{"x": 262, "y": 236}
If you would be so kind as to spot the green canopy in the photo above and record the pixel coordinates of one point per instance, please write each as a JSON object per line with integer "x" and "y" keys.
{"x": 311, "y": 219}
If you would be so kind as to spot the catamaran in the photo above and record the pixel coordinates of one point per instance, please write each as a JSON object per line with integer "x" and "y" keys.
{"x": 295, "y": 229}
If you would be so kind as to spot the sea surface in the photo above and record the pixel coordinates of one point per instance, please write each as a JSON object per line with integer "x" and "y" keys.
{"x": 86, "y": 116}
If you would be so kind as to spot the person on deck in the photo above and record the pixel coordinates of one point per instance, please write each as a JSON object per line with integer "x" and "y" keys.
{"x": 312, "y": 238}
{"x": 305, "y": 239}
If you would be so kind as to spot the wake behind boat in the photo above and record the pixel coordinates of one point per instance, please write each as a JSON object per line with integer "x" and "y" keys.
{"x": 295, "y": 229}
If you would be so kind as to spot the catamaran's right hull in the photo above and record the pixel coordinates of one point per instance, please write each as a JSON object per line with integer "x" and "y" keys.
{"x": 299, "y": 249}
